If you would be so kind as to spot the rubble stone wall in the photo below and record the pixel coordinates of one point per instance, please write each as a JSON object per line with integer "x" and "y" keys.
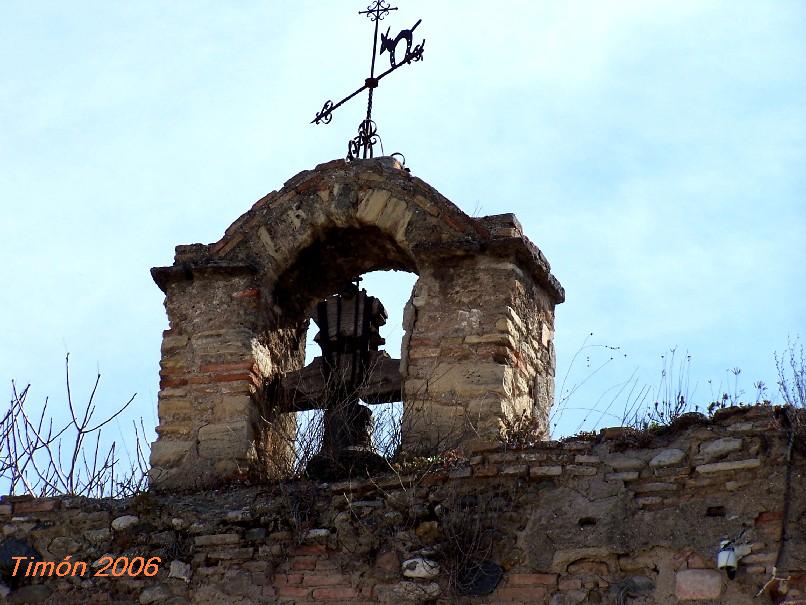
{"x": 624, "y": 518}
{"x": 478, "y": 329}
{"x": 479, "y": 336}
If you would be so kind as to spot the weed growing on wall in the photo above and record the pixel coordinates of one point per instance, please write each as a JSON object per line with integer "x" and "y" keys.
{"x": 792, "y": 374}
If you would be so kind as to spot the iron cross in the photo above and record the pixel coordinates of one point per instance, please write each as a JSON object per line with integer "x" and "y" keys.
{"x": 361, "y": 145}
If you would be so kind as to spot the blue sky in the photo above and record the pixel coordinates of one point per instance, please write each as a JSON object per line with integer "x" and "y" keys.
{"x": 653, "y": 150}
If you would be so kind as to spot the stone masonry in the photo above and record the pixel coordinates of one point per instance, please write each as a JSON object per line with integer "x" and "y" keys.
{"x": 478, "y": 344}
{"x": 625, "y": 518}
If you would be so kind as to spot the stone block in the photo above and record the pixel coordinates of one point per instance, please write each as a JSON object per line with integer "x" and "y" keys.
{"x": 180, "y": 570}
{"x": 741, "y": 427}
{"x": 514, "y": 470}
{"x": 98, "y": 537}
{"x": 172, "y": 365}
{"x": 169, "y": 453}
{"x": 424, "y": 352}
{"x": 215, "y": 339}
{"x": 125, "y": 522}
{"x": 623, "y": 476}
{"x": 39, "y": 505}
{"x": 736, "y": 465}
{"x": 231, "y": 554}
{"x": 234, "y": 407}
{"x": 395, "y": 218}
{"x": 173, "y": 342}
{"x": 761, "y": 558}
{"x": 180, "y": 392}
{"x": 171, "y": 408}
{"x": 224, "y": 440}
{"x": 371, "y": 204}
{"x": 625, "y": 463}
{"x": 499, "y": 339}
{"x": 62, "y": 546}
{"x": 545, "y": 471}
{"x": 506, "y": 326}
{"x": 668, "y": 457}
{"x": 648, "y": 488}
{"x": 698, "y": 584}
{"x": 719, "y": 448}
{"x": 276, "y": 248}
{"x": 581, "y": 471}
{"x": 175, "y": 429}
{"x": 217, "y": 540}
{"x": 468, "y": 379}
{"x": 317, "y": 535}
{"x": 486, "y": 470}
{"x": 224, "y": 368}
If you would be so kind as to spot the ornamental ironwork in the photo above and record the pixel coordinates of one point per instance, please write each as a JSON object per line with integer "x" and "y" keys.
{"x": 361, "y": 145}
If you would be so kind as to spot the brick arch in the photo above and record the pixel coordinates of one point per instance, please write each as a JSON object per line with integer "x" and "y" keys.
{"x": 478, "y": 326}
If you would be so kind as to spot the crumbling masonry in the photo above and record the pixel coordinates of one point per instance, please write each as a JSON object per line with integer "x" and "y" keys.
{"x": 478, "y": 326}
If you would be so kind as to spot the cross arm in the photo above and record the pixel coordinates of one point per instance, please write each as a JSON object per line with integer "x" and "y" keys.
{"x": 328, "y": 108}
{"x": 309, "y": 388}
{"x": 326, "y": 113}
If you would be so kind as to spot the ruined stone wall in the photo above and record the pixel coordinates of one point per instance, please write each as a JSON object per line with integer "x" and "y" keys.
{"x": 530, "y": 323}
{"x": 214, "y": 361}
{"x": 479, "y": 336}
{"x": 624, "y": 519}
{"x": 205, "y": 376}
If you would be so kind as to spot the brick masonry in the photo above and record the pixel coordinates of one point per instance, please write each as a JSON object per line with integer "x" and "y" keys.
{"x": 623, "y": 518}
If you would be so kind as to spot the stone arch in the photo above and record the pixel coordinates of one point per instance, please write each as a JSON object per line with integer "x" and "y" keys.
{"x": 478, "y": 326}
{"x": 337, "y": 253}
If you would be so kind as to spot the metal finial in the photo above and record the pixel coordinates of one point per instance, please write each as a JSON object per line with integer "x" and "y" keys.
{"x": 361, "y": 145}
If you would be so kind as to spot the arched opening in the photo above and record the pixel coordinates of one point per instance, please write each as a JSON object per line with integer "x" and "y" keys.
{"x": 344, "y": 296}
{"x": 393, "y": 289}
{"x": 335, "y": 257}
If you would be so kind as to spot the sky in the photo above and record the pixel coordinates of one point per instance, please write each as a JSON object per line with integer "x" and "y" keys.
{"x": 654, "y": 151}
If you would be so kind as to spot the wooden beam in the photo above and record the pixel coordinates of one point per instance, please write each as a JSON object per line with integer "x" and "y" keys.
{"x": 307, "y": 389}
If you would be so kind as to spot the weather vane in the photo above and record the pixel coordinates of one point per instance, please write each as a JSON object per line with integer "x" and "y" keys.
{"x": 361, "y": 145}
